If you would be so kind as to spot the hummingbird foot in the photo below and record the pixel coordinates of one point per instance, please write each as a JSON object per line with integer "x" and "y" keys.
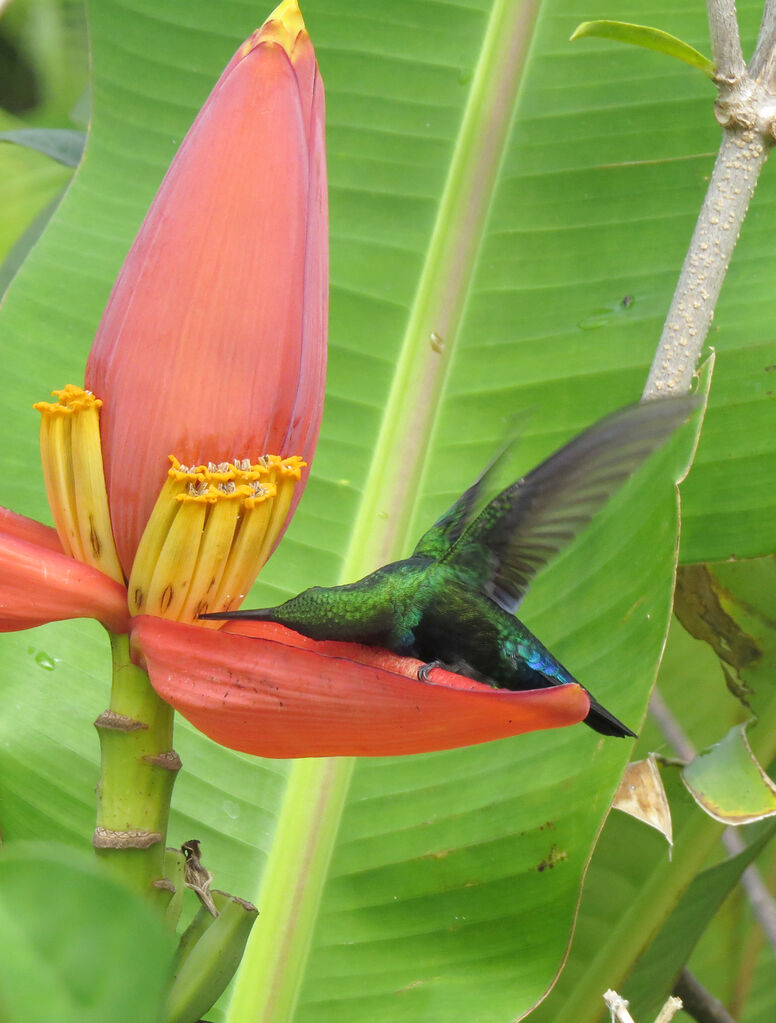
{"x": 425, "y": 669}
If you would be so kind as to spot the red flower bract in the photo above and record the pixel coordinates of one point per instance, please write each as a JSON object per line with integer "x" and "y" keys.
{"x": 213, "y": 343}
{"x": 292, "y": 697}
{"x": 40, "y": 584}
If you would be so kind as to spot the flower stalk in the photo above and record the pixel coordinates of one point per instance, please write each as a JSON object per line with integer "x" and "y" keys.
{"x": 137, "y": 775}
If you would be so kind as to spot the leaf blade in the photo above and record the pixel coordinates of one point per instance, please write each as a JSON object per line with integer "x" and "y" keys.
{"x": 399, "y": 817}
{"x": 64, "y": 145}
{"x": 649, "y": 38}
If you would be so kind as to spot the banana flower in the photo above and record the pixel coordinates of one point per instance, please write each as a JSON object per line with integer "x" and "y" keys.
{"x": 173, "y": 473}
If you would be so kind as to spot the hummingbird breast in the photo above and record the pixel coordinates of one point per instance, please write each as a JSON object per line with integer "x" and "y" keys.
{"x": 469, "y": 631}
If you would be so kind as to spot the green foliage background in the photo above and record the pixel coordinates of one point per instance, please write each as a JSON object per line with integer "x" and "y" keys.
{"x": 444, "y": 886}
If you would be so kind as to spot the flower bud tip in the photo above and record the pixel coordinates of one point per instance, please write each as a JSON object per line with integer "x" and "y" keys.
{"x": 283, "y": 26}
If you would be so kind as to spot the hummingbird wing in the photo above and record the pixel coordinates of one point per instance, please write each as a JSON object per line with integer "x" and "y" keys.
{"x": 437, "y": 540}
{"x": 525, "y": 525}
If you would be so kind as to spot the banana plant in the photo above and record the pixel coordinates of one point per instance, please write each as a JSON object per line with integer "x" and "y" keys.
{"x": 509, "y": 213}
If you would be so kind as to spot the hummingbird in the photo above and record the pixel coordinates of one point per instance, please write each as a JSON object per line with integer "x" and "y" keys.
{"x": 452, "y": 602}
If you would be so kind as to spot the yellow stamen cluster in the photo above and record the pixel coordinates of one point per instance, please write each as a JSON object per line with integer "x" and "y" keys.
{"x": 71, "y": 453}
{"x": 212, "y": 528}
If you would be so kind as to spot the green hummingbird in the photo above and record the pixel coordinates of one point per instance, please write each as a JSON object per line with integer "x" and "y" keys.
{"x": 453, "y": 601}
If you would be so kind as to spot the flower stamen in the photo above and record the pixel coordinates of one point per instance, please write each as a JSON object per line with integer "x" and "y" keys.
{"x": 211, "y": 530}
{"x": 71, "y": 452}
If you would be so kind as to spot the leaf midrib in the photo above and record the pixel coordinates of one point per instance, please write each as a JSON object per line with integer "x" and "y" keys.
{"x": 267, "y": 987}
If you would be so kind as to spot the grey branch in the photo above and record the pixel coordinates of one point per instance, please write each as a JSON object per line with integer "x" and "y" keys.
{"x": 746, "y": 109}
{"x": 698, "y": 1003}
{"x": 741, "y": 157}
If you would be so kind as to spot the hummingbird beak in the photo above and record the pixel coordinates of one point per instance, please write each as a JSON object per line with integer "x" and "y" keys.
{"x": 265, "y": 614}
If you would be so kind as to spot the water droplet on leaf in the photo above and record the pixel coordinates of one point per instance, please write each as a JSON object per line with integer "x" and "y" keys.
{"x": 231, "y": 809}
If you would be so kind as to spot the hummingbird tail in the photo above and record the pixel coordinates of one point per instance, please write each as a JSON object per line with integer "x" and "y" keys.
{"x": 600, "y": 719}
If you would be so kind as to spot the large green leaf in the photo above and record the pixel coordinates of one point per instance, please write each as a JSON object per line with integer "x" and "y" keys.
{"x": 629, "y": 893}
{"x": 734, "y": 959}
{"x": 64, "y": 145}
{"x": 28, "y": 181}
{"x": 632, "y": 886}
{"x": 657, "y": 970}
{"x": 729, "y": 783}
{"x": 508, "y": 209}
{"x": 44, "y": 71}
{"x": 46, "y": 60}
{"x": 74, "y": 941}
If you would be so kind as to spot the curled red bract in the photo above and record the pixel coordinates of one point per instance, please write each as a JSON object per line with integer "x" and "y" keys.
{"x": 39, "y": 584}
{"x": 291, "y": 697}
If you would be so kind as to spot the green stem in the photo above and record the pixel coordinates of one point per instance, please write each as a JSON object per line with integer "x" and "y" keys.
{"x": 137, "y": 775}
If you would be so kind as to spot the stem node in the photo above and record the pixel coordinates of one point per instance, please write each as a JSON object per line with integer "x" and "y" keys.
{"x": 106, "y": 838}
{"x": 169, "y": 761}
{"x": 112, "y": 721}
{"x": 138, "y": 772}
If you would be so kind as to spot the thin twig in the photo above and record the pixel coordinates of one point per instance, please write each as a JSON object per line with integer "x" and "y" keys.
{"x": 669, "y": 1010}
{"x": 725, "y": 42}
{"x": 698, "y": 1002}
{"x": 618, "y": 1007}
{"x": 668, "y": 724}
{"x": 761, "y": 66}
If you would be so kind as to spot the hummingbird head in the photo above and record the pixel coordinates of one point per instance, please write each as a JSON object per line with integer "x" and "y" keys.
{"x": 294, "y": 613}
